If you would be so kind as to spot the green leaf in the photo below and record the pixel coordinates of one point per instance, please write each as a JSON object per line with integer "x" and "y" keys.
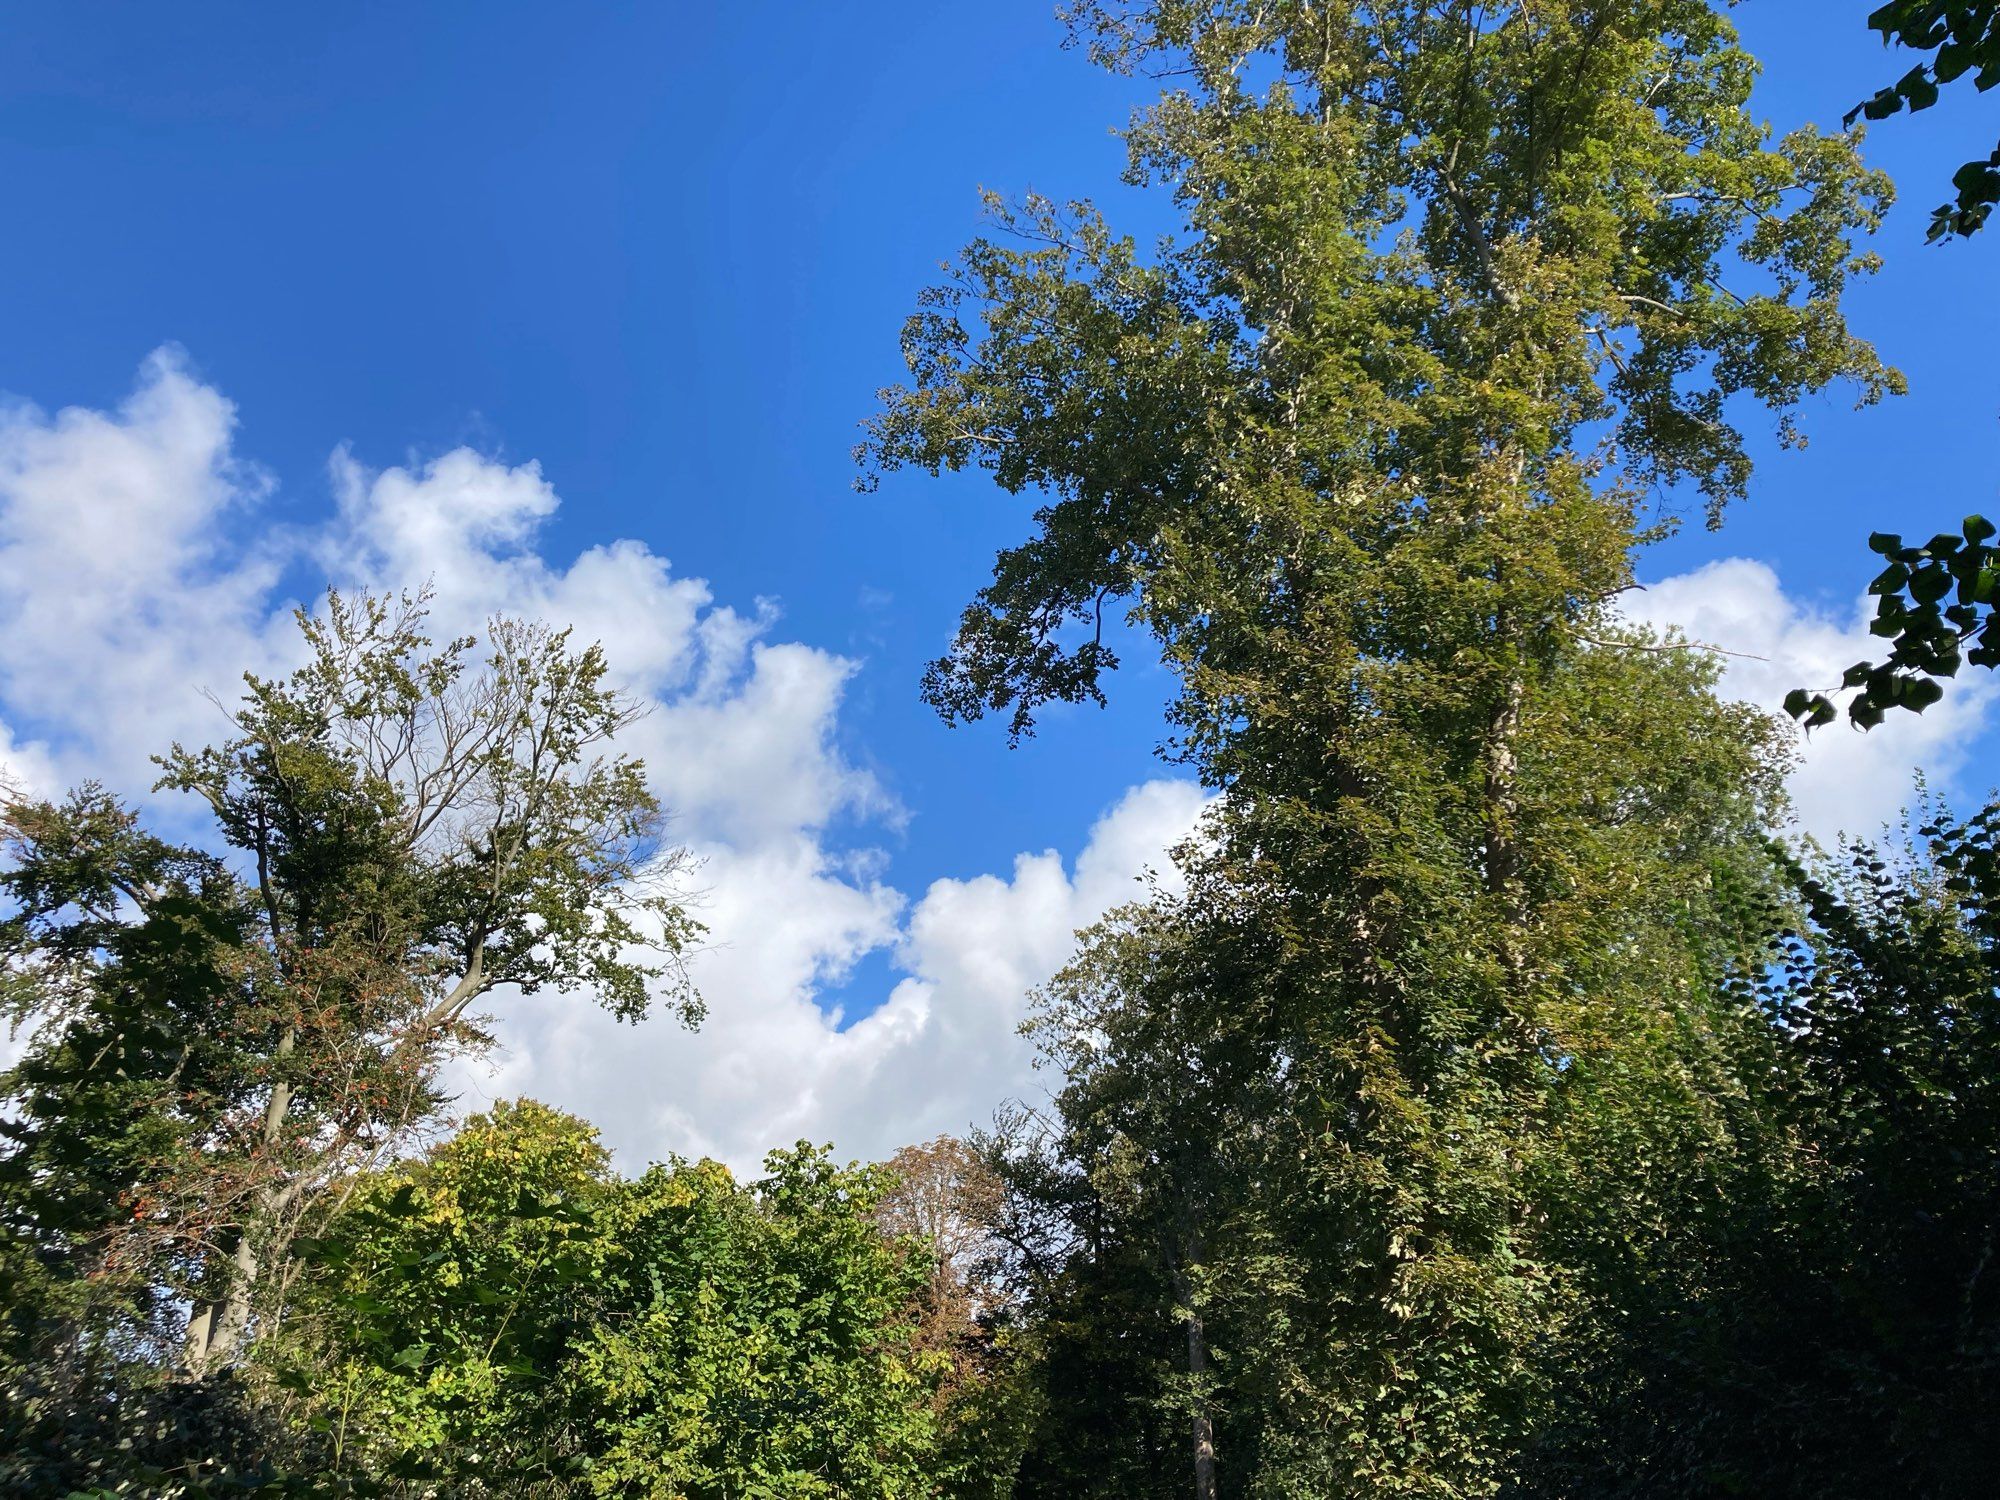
{"x": 1930, "y": 583}
{"x": 1919, "y": 693}
{"x": 1891, "y": 579}
{"x": 1916, "y": 86}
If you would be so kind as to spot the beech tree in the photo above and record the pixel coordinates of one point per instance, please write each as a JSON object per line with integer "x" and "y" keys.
{"x": 945, "y": 1196}
{"x": 221, "y": 1037}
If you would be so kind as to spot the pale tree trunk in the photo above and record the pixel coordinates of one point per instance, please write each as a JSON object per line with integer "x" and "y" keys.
{"x": 200, "y": 1335}
{"x": 218, "y": 1326}
{"x": 1503, "y": 850}
{"x": 216, "y": 1330}
{"x": 1202, "y": 1420}
{"x": 1204, "y": 1424}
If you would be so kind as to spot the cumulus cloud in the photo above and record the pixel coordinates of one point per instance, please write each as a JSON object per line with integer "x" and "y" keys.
{"x": 770, "y": 1066}
{"x": 124, "y": 587}
{"x": 1846, "y": 781}
{"x": 137, "y": 574}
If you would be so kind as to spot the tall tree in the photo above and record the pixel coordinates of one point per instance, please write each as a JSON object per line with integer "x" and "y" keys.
{"x": 1470, "y": 295}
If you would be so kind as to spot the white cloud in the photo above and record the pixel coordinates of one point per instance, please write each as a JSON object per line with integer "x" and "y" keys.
{"x": 1846, "y": 780}
{"x": 136, "y": 572}
{"x": 127, "y": 590}
{"x": 123, "y": 594}
{"x": 27, "y": 768}
{"x": 770, "y": 1066}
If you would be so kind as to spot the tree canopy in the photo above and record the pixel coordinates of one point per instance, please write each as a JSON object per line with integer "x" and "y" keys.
{"x": 222, "y": 1036}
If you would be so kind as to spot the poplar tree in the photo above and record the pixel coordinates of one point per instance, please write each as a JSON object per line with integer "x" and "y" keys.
{"x": 1469, "y": 302}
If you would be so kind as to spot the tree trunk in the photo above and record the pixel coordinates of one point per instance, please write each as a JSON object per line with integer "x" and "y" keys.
{"x": 1503, "y": 850}
{"x": 200, "y": 1337}
{"x": 1183, "y": 1255}
{"x": 217, "y": 1326}
{"x": 216, "y": 1330}
{"x": 1204, "y": 1424}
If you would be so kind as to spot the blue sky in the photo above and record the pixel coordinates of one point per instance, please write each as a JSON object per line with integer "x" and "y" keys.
{"x": 665, "y": 254}
{"x": 664, "y": 251}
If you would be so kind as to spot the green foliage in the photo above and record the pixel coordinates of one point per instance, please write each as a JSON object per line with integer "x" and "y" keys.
{"x": 1936, "y": 598}
{"x": 1484, "y": 1109}
{"x": 1889, "y": 1000}
{"x": 464, "y": 827}
{"x": 1428, "y": 244}
{"x": 137, "y": 1047}
{"x": 1964, "y": 35}
{"x": 1822, "y": 1319}
{"x": 509, "y": 1316}
{"x": 422, "y": 1326}
{"x": 1937, "y": 605}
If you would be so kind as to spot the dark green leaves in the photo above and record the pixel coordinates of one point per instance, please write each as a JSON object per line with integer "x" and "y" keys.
{"x": 1965, "y": 35}
{"x": 1936, "y": 605}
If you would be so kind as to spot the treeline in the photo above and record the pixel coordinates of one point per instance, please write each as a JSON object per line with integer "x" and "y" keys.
{"x": 1494, "y": 1101}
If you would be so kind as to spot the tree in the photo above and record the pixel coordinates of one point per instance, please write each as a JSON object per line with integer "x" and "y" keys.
{"x": 783, "y": 1365}
{"x": 946, "y": 1201}
{"x": 219, "y": 1044}
{"x": 1964, "y": 36}
{"x": 509, "y": 1316}
{"x": 1160, "y": 1265}
{"x": 427, "y": 1334}
{"x": 105, "y": 1141}
{"x": 1368, "y": 450}
{"x": 945, "y": 1196}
